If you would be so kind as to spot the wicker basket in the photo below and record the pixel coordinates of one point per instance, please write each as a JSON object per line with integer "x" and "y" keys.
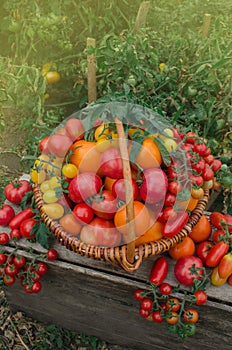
{"x": 127, "y": 256}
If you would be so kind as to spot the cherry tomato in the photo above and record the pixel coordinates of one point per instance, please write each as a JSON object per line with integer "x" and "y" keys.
{"x": 216, "y": 218}
{"x": 36, "y": 287}
{"x": 199, "y": 167}
{"x": 201, "y": 297}
{"x": 6, "y": 214}
{"x": 53, "y": 210}
{"x": 3, "y": 258}
{"x": 104, "y": 205}
{"x": 203, "y": 250}
{"x": 19, "y": 261}
{"x": 172, "y": 318}
{"x": 169, "y": 213}
{"x": 41, "y": 268}
{"x": 187, "y": 269}
{"x": 216, "y": 165}
{"x": 197, "y": 193}
{"x": 69, "y": 170}
{"x": 144, "y": 313}
{"x": 228, "y": 220}
{"x": 190, "y": 316}
{"x": 197, "y": 180}
{"x": 191, "y": 137}
{"x": 138, "y": 294}
{"x": 218, "y": 235}
{"x": 15, "y": 191}
{"x": 118, "y": 189}
{"x": 174, "y": 187}
{"x": 199, "y": 148}
{"x": 216, "y": 253}
{"x": 52, "y": 254}
{"x": 4, "y": 238}
{"x": 15, "y": 234}
{"x": 58, "y": 145}
{"x": 209, "y": 159}
{"x": 173, "y": 304}
{"x": 83, "y": 213}
{"x": 70, "y": 224}
{"x": 146, "y": 304}
{"x": 208, "y": 174}
{"x": 52, "y": 77}
{"x": 156, "y": 316}
{"x": 8, "y": 280}
{"x": 26, "y": 228}
{"x": 170, "y": 199}
{"x": 11, "y": 269}
{"x": 165, "y": 288}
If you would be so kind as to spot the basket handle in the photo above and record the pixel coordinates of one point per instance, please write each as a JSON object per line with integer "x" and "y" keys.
{"x": 130, "y": 236}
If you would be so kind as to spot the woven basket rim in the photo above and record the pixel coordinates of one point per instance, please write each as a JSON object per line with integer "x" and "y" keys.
{"x": 117, "y": 255}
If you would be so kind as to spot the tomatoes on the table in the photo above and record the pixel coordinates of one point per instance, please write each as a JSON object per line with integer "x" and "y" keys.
{"x": 159, "y": 271}
{"x": 216, "y": 219}
{"x": 15, "y": 191}
{"x": 6, "y": 214}
{"x": 203, "y": 250}
{"x": 215, "y": 278}
{"x": 138, "y": 294}
{"x": 4, "y": 238}
{"x": 19, "y": 261}
{"x": 8, "y": 280}
{"x": 201, "y": 297}
{"x": 225, "y": 266}
{"x": 146, "y": 304}
{"x": 156, "y": 316}
{"x": 216, "y": 253}
{"x": 165, "y": 288}
{"x": 172, "y": 317}
{"x": 187, "y": 269}
{"x": 184, "y": 248}
{"x": 83, "y": 186}
{"x": 191, "y": 316}
{"x": 11, "y": 269}
{"x": 202, "y": 230}
{"x": 26, "y": 228}
{"x": 15, "y": 234}
{"x": 52, "y": 254}
{"x": 41, "y": 268}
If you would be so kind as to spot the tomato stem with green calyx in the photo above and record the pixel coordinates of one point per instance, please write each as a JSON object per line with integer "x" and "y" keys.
{"x": 99, "y": 197}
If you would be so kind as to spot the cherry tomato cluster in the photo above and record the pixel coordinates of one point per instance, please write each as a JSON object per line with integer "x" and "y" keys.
{"x": 14, "y": 266}
{"x": 160, "y": 305}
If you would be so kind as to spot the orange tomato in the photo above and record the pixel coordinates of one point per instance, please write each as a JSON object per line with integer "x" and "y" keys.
{"x": 197, "y": 193}
{"x": 154, "y": 233}
{"x": 202, "y": 230}
{"x": 108, "y": 183}
{"x": 70, "y": 224}
{"x": 141, "y": 219}
{"x": 192, "y": 203}
{"x": 85, "y": 156}
{"x": 184, "y": 248}
{"x": 149, "y": 155}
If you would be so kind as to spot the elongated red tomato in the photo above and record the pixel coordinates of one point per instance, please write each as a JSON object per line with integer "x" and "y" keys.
{"x": 159, "y": 271}
{"x": 172, "y": 227}
{"x": 225, "y": 266}
{"x": 216, "y": 254}
{"x": 20, "y": 217}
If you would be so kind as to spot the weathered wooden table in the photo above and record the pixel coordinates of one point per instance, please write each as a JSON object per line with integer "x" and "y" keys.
{"x": 96, "y": 298}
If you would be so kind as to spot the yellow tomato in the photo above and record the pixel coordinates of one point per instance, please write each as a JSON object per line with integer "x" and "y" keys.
{"x": 168, "y": 134}
{"x": 45, "y": 186}
{"x": 135, "y": 132}
{"x": 54, "y": 182}
{"x": 170, "y": 145}
{"x": 53, "y": 210}
{"x": 69, "y": 170}
{"x": 101, "y": 132}
{"x": 50, "y": 196}
{"x": 52, "y": 77}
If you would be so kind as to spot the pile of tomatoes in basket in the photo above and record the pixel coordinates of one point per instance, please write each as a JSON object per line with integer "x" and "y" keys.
{"x": 80, "y": 175}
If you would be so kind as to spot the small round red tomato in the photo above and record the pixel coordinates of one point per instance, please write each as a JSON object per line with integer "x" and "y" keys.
{"x": 3, "y": 258}
{"x": 199, "y": 167}
{"x": 43, "y": 145}
{"x": 216, "y": 219}
{"x": 187, "y": 269}
{"x": 169, "y": 213}
{"x": 75, "y": 129}
{"x": 15, "y": 234}
{"x": 35, "y": 276}
{"x": 111, "y": 163}
{"x": 197, "y": 180}
{"x": 19, "y": 261}
{"x": 170, "y": 199}
{"x": 209, "y": 159}
{"x": 8, "y": 280}
{"x": 208, "y": 174}
{"x": 36, "y": 287}
{"x": 138, "y": 294}
{"x": 173, "y": 304}
{"x": 191, "y": 137}
{"x": 26, "y": 228}
{"x": 203, "y": 250}
{"x": 58, "y": 145}
{"x": 4, "y": 238}
{"x": 146, "y": 304}
{"x": 52, "y": 254}
{"x": 41, "y": 268}
{"x": 216, "y": 165}
{"x": 6, "y": 214}
{"x": 165, "y": 288}
{"x": 11, "y": 269}
{"x": 156, "y": 316}
{"x": 118, "y": 189}
{"x": 201, "y": 297}
{"x": 83, "y": 186}
{"x": 104, "y": 205}
{"x": 174, "y": 187}
{"x": 144, "y": 313}
{"x": 218, "y": 235}
{"x": 83, "y": 213}
{"x": 190, "y": 316}
{"x": 199, "y": 148}
{"x": 15, "y": 191}
{"x": 228, "y": 220}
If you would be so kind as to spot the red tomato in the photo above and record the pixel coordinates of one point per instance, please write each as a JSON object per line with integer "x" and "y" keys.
{"x": 19, "y": 261}
{"x": 174, "y": 187}
{"x": 83, "y": 186}
{"x": 199, "y": 167}
{"x": 146, "y": 304}
{"x": 11, "y": 269}
{"x": 218, "y": 235}
{"x": 75, "y": 129}
{"x": 4, "y": 238}
{"x": 216, "y": 218}
{"x": 201, "y": 297}
{"x": 203, "y": 250}
{"x": 8, "y": 280}
{"x": 170, "y": 199}
{"x": 199, "y": 148}
{"x": 156, "y": 316}
{"x": 15, "y": 234}
{"x": 41, "y": 268}
{"x": 154, "y": 186}
{"x": 159, "y": 271}
{"x": 15, "y": 191}
{"x": 169, "y": 213}
{"x": 190, "y": 316}
{"x": 118, "y": 189}
{"x": 172, "y": 227}
{"x": 165, "y": 288}
{"x": 111, "y": 163}
{"x": 216, "y": 254}
{"x": 58, "y": 145}
{"x": 209, "y": 159}
{"x": 20, "y": 217}
{"x": 26, "y": 228}
{"x": 100, "y": 232}
{"x": 184, "y": 248}
{"x": 36, "y": 287}
{"x": 187, "y": 269}
{"x": 52, "y": 254}
{"x": 228, "y": 220}
{"x": 144, "y": 313}
{"x": 191, "y": 137}
{"x": 104, "y": 205}
{"x": 208, "y": 174}
{"x": 138, "y": 294}
{"x": 3, "y": 258}
{"x": 216, "y": 165}
{"x": 83, "y": 213}
{"x": 6, "y": 214}
{"x": 197, "y": 180}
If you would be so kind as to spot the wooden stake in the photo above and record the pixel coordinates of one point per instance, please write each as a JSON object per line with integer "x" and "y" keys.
{"x": 206, "y": 25}
{"x": 91, "y": 60}
{"x": 130, "y": 237}
{"x": 141, "y": 16}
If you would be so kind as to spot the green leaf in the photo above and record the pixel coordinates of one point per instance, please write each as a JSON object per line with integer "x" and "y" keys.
{"x": 165, "y": 154}
{"x": 42, "y": 234}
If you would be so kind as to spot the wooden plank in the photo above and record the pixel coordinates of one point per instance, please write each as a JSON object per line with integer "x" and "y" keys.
{"x": 140, "y": 21}
{"x": 89, "y": 301}
{"x": 91, "y": 63}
